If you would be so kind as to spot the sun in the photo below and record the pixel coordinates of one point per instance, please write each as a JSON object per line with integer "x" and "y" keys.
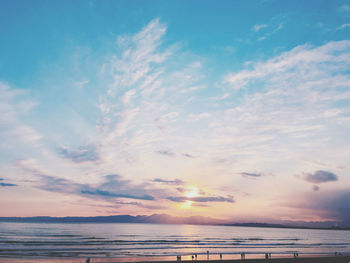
{"x": 191, "y": 192}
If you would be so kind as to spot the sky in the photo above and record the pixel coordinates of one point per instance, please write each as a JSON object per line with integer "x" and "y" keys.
{"x": 236, "y": 110}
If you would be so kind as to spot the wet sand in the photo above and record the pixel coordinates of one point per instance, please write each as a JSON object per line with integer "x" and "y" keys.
{"x": 339, "y": 259}
{"x": 285, "y": 260}
{"x": 325, "y": 259}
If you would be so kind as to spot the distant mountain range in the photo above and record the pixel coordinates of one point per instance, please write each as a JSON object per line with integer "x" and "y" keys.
{"x": 153, "y": 219}
{"x": 162, "y": 219}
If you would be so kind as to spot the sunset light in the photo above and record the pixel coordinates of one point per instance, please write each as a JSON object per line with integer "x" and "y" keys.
{"x": 141, "y": 117}
{"x": 176, "y": 113}
{"x": 187, "y": 204}
{"x": 192, "y": 191}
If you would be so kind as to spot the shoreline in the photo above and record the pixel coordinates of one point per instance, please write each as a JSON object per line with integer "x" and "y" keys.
{"x": 215, "y": 259}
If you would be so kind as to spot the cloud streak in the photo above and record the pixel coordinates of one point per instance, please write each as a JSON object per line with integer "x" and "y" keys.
{"x": 3, "y": 184}
{"x": 258, "y": 27}
{"x": 343, "y": 26}
{"x": 202, "y": 199}
{"x": 114, "y": 187}
{"x": 86, "y": 153}
{"x": 13, "y": 106}
{"x": 166, "y": 153}
{"x": 252, "y": 175}
{"x": 169, "y": 182}
{"x": 269, "y": 34}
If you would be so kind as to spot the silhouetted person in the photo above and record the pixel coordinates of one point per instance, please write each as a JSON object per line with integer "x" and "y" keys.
{"x": 88, "y": 260}
{"x": 207, "y": 254}
{"x": 195, "y": 255}
{"x": 242, "y": 256}
{"x": 269, "y": 255}
{"x": 178, "y": 258}
{"x": 220, "y": 256}
{"x": 192, "y": 257}
{"x": 266, "y": 256}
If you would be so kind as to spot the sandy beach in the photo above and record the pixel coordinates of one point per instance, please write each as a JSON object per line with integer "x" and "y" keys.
{"x": 323, "y": 259}
{"x": 277, "y": 260}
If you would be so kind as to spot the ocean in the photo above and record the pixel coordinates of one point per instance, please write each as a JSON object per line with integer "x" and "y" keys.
{"x": 136, "y": 241}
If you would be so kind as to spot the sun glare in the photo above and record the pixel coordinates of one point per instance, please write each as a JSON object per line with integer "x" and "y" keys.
{"x": 187, "y": 204}
{"x": 192, "y": 191}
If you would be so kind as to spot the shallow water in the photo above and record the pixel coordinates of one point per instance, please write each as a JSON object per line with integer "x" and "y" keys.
{"x": 37, "y": 240}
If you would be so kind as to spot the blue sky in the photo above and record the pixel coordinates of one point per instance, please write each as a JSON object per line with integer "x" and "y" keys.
{"x": 179, "y": 107}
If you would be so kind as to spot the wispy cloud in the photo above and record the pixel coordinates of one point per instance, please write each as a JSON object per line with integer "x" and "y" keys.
{"x": 188, "y": 155}
{"x": 343, "y": 26}
{"x": 290, "y": 103}
{"x": 169, "y": 182}
{"x": 251, "y": 175}
{"x": 113, "y": 187}
{"x": 269, "y": 34}
{"x": 128, "y": 96}
{"x": 166, "y": 153}
{"x": 258, "y": 27}
{"x": 275, "y": 109}
{"x": 141, "y": 106}
{"x": 202, "y": 199}
{"x": 345, "y": 8}
{"x": 200, "y": 116}
{"x": 82, "y": 154}
{"x": 4, "y": 184}
{"x": 161, "y": 113}
{"x": 103, "y": 193}
{"x": 13, "y": 106}
{"x": 81, "y": 84}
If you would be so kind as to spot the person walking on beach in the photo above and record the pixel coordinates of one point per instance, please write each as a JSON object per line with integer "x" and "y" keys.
{"x": 192, "y": 257}
{"x": 88, "y": 260}
{"x": 220, "y": 256}
{"x": 195, "y": 255}
{"x": 207, "y": 254}
{"x": 266, "y": 256}
{"x": 242, "y": 256}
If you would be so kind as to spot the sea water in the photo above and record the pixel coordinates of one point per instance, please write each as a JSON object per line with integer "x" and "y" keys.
{"x": 116, "y": 240}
